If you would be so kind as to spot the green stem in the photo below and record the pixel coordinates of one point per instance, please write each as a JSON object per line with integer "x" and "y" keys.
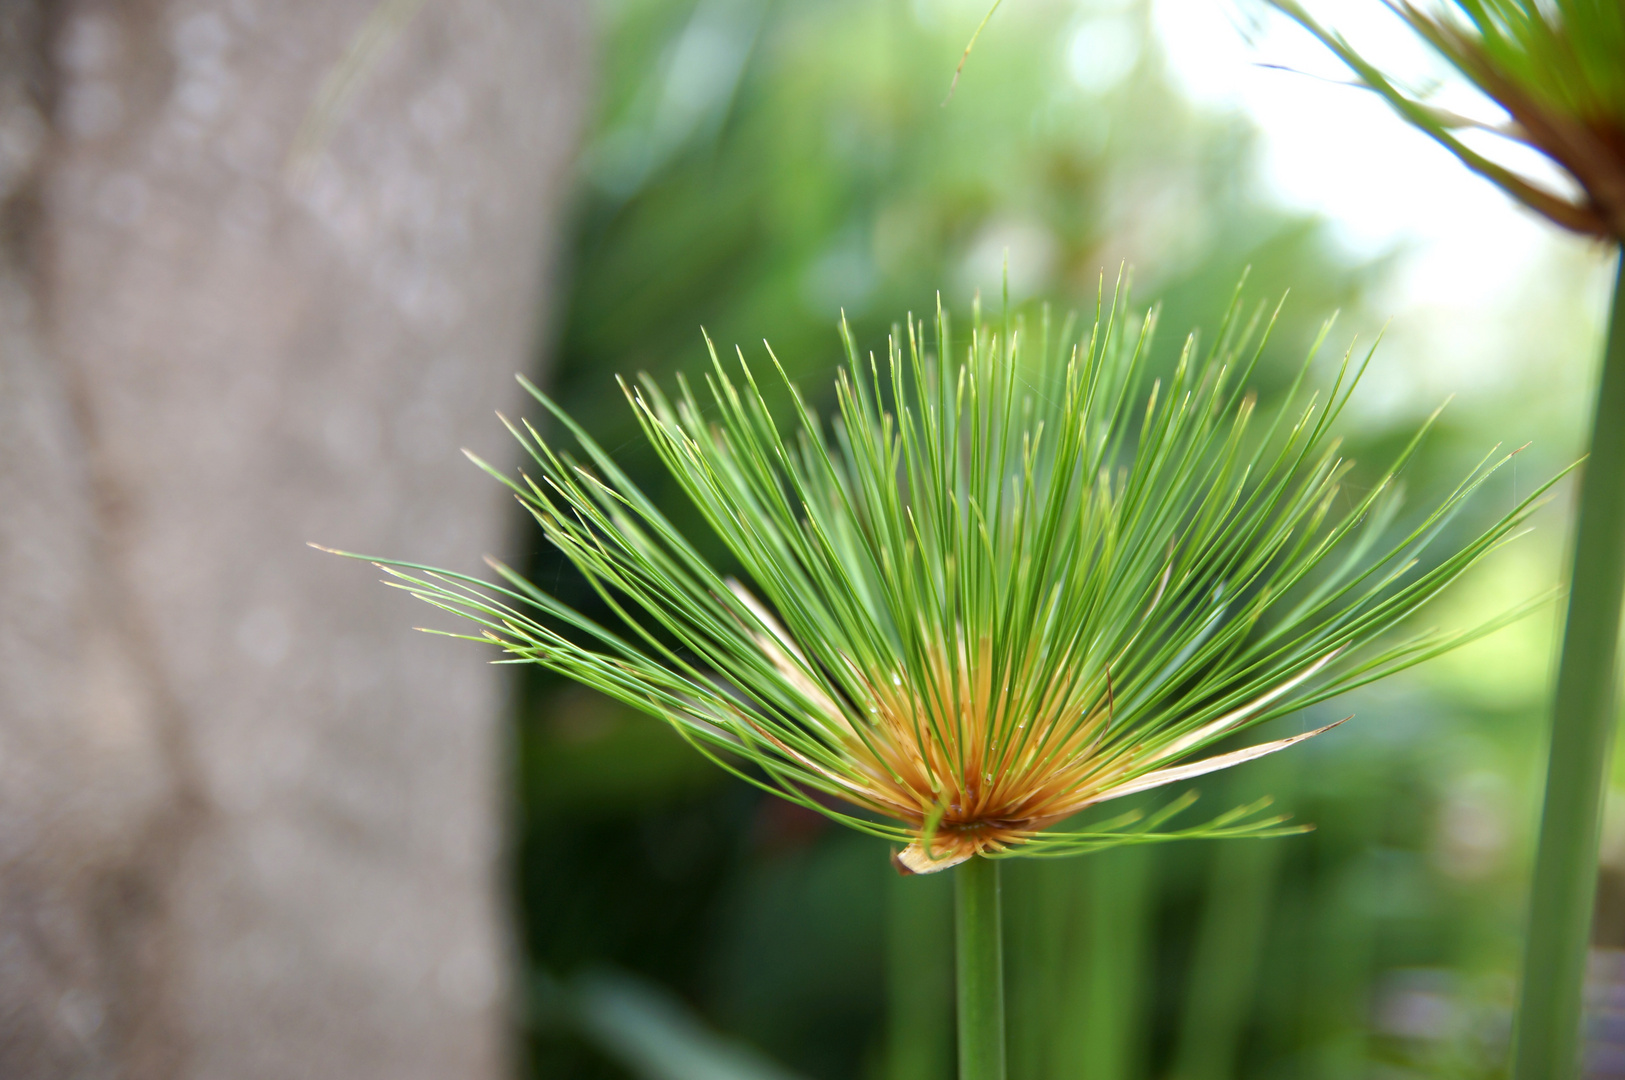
{"x": 979, "y": 952}
{"x": 1560, "y": 905}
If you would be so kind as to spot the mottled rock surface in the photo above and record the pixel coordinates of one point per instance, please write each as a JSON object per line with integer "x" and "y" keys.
{"x": 249, "y": 822}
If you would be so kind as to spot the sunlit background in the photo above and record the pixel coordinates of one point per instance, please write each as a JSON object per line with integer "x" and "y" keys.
{"x": 756, "y": 168}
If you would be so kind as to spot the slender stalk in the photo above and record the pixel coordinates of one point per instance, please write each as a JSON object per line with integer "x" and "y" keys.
{"x": 979, "y": 951}
{"x": 1583, "y": 719}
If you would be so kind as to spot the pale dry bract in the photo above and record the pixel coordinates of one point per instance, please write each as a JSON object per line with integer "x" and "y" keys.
{"x": 1015, "y": 577}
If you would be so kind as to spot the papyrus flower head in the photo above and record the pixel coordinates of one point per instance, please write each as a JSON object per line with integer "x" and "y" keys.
{"x": 1556, "y": 68}
{"x": 1015, "y": 577}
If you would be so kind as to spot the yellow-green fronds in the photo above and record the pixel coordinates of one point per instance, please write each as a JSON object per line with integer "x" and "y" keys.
{"x": 1014, "y": 578}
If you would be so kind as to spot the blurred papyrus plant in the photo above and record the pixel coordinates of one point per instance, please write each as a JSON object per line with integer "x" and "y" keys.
{"x": 1557, "y": 69}
{"x": 1014, "y": 578}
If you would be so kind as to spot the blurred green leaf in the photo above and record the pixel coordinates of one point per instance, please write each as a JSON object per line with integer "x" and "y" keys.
{"x": 651, "y": 1031}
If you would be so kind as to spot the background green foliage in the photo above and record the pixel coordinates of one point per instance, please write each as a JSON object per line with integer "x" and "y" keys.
{"x": 756, "y": 167}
